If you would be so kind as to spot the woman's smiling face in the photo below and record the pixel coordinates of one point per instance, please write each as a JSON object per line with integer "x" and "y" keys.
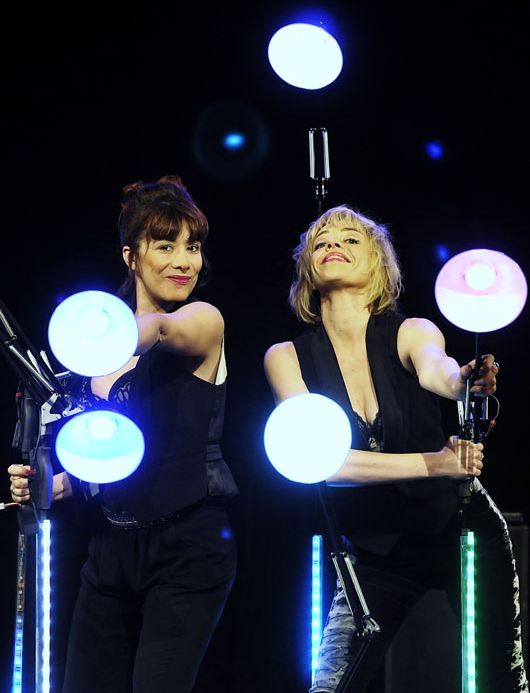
{"x": 166, "y": 271}
{"x": 340, "y": 257}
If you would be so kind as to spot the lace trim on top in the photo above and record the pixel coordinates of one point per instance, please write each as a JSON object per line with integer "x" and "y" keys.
{"x": 372, "y": 434}
{"x": 119, "y": 392}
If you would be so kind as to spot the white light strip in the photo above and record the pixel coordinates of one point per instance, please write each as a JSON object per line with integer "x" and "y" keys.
{"x": 316, "y": 601}
{"x": 42, "y": 636}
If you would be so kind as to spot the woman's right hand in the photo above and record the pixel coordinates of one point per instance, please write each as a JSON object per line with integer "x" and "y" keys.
{"x": 18, "y": 476}
{"x": 458, "y": 458}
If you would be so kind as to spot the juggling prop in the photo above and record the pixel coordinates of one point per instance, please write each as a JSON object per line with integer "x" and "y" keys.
{"x": 480, "y": 291}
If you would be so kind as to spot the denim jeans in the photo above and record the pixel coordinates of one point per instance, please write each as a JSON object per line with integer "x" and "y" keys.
{"x": 392, "y": 585}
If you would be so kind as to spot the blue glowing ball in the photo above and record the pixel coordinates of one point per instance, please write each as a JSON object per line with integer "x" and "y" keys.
{"x": 307, "y": 438}
{"x": 93, "y": 333}
{"x": 100, "y": 446}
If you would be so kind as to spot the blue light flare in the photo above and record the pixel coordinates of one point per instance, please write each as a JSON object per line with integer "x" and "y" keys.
{"x": 434, "y": 150}
{"x": 234, "y": 140}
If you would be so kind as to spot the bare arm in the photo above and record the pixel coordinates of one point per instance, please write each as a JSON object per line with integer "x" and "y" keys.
{"x": 421, "y": 347}
{"x": 458, "y": 458}
{"x": 193, "y": 330}
{"x": 462, "y": 458}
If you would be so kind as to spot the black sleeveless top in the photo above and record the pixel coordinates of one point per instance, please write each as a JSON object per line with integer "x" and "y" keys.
{"x": 376, "y": 515}
{"x": 181, "y": 417}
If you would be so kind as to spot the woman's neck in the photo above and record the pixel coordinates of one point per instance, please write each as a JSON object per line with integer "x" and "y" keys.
{"x": 344, "y": 315}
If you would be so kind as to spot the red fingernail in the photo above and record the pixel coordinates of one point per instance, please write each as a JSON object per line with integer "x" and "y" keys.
{"x": 30, "y": 472}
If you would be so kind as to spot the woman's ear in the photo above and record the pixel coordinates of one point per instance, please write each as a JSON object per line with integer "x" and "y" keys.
{"x": 128, "y": 257}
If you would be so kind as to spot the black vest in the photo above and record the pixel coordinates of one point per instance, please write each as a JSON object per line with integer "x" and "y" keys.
{"x": 375, "y": 516}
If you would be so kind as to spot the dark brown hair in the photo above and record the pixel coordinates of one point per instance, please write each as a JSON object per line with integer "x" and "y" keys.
{"x": 156, "y": 211}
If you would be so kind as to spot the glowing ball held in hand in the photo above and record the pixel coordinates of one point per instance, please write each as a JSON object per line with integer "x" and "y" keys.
{"x": 481, "y": 290}
{"x": 307, "y": 438}
{"x": 93, "y": 333}
{"x": 100, "y": 446}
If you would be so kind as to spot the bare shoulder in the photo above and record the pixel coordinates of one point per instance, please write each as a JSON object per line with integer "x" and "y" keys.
{"x": 195, "y": 329}
{"x": 415, "y": 328}
{"x": 280, "y": 353}
{"x": 203, "y": 312}
{"x": 200, "y": 307}
{"x": 283, "y": 371}
{"x": 418, "y": 324}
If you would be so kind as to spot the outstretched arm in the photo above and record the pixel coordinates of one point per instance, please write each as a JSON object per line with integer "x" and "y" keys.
{"x": 193, "y": 330}
{"x": 457, "y": 458}
{"x": 421, "y": 347}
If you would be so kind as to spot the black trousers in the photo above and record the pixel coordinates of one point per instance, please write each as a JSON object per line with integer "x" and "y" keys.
{"x": 149, "y": 602}
{"x": 393, "y": 584}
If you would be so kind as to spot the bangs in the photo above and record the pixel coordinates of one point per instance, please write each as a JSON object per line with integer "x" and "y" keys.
{"x": 337, "y": 217}
{"x": 166, "y": 224}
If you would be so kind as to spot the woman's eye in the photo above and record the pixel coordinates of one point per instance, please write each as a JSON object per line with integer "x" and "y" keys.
{"x": 319, "y": 245}
{"x": 352, "y": 240}
{"x": 164, "y": 246}
{"x": 194, "y": 248}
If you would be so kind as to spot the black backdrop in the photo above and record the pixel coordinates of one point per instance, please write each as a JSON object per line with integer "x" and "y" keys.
{"x": 102, "y": 96}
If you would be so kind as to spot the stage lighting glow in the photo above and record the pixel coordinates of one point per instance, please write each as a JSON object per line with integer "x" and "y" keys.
{"x": 93, "y": 333}
{"x": 230, "y": 140}
{"x": 305, "y": 56}
{"x": 434, "y": 150}
{"x": 307, "y": 438}
{"x": 234, "y": 140}
{"x": 442, "y": 252}
{"x": 481, "y": 290}
{"x": 100, "y": 446}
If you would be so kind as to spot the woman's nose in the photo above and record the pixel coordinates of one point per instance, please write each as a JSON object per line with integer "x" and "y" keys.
{"x": 180, "y": 260}
{"x": 334, "y": 243}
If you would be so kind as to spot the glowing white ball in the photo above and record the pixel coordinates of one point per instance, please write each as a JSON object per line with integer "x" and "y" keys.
{"x": 93, "y": 333}
{"x": 307, "y": 438}
{"x": 481, "y": 290}
{"x": 100, "y": 446}
{"x": 305, "y": 55}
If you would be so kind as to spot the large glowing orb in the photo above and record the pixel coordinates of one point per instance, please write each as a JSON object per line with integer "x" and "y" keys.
{"x": 93, "y": 333}
{"x": 305, "y": 56}
{"x": 100, "y": 446}
{"x": 481, "y": 290}
{"x": 307, "y": 438}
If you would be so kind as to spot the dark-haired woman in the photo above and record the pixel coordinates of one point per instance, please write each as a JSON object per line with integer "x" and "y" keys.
{"x": 162, "y": 556}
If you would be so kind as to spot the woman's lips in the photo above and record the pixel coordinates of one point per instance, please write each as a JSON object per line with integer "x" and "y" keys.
{"x": 335, "y": 257}
{"x": 179, "y": 279}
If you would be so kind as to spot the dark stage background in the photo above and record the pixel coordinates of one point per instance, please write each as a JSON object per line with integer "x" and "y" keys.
{"x": 95, "y": 97}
